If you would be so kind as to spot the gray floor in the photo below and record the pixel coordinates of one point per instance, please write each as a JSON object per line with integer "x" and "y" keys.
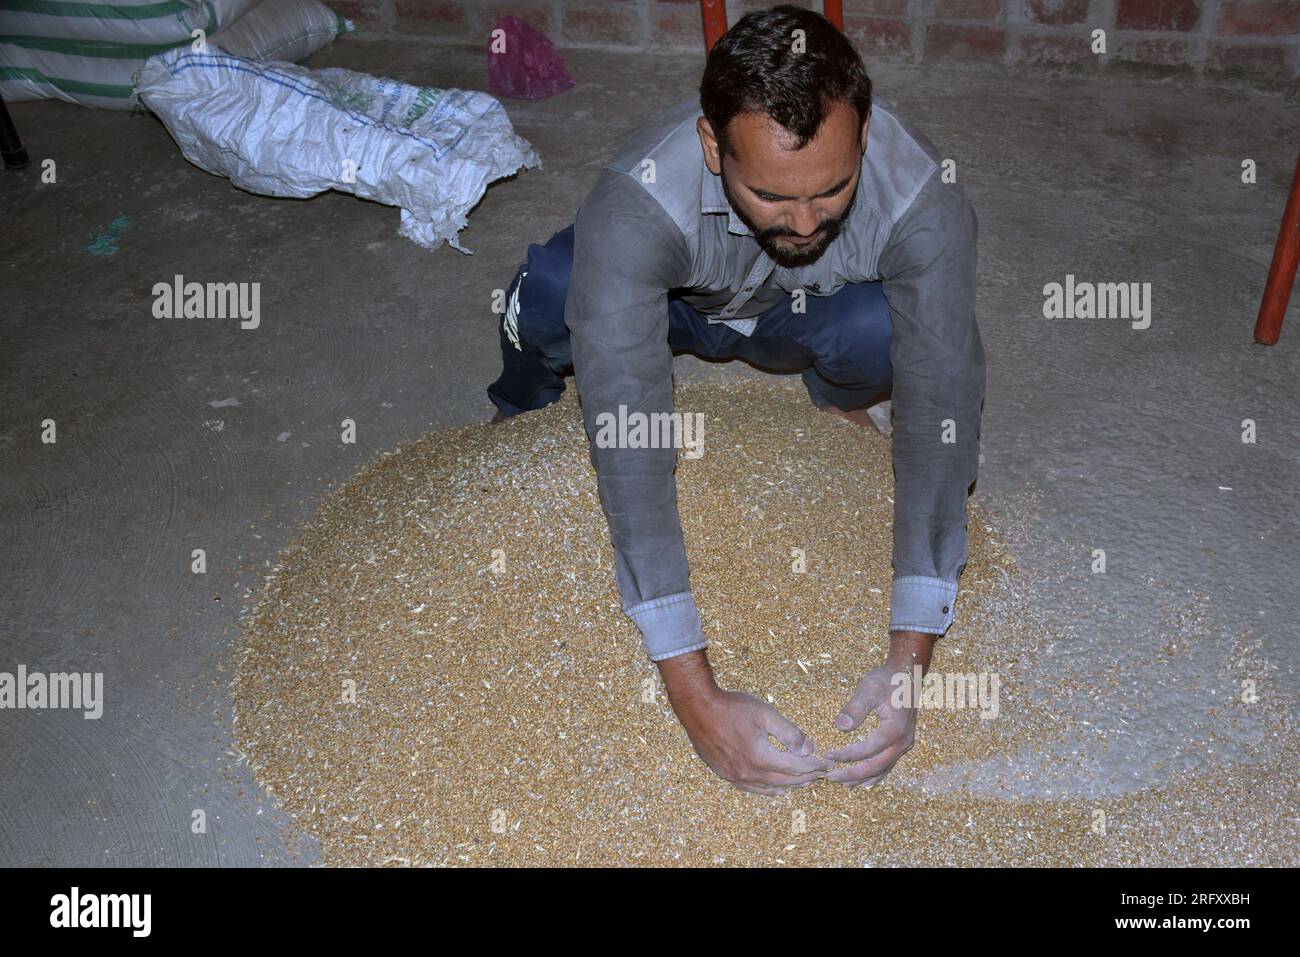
{"x": 1096, "y": 435}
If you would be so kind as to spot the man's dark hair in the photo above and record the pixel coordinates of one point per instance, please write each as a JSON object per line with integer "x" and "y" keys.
{"x": 754, "y": 68}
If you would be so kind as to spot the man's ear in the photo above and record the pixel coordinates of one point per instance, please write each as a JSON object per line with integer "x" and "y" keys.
{"x": 709, "y": 144}
{"x": 862, "y": 141}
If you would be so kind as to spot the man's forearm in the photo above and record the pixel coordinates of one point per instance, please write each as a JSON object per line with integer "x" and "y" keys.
{"x": 907, "y": 648}
{"x": 688, "y": 679}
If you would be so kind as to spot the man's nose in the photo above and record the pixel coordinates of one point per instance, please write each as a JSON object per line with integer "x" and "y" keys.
{"x": 804, "y": 220}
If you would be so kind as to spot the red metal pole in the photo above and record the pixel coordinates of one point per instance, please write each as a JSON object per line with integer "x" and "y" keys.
{"x": 1281, "y": 274}
{"x": 714, "y": 13}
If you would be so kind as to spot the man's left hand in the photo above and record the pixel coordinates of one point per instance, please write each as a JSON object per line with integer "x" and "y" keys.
{"x": 873, "y": 758}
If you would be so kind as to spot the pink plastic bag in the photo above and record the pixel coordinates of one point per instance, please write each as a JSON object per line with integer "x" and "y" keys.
{"x": 523, "y": 63}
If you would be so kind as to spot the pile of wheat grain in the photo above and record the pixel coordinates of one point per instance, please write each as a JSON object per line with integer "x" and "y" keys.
{"x": 438, "y": 670}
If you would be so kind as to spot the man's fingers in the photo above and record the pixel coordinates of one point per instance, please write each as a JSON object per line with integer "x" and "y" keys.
{"x": 786, "y": 768}
{"x": 876, "y": 768}
{"x": 787, "y": 732}
{"x": 777, "y": 783}
{"x": 876, "y": 742}
{"x": 761, "y": 789}
{"x": 870, "y": 783}
{"x": 796, "y": 763}
{"x": 768, "y": 757}
{"x": 864, "y": 701}
{"x": 782, "y": 780}
{"x": 788, "y": 763}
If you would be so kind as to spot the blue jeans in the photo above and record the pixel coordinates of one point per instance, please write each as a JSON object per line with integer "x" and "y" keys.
{"x": 840, "y": 343}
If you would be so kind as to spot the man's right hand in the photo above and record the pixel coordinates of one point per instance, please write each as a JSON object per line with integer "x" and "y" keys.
{"x": 729, "y": 730}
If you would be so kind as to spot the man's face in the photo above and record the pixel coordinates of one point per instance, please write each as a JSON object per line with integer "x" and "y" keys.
{"x": 794, "y": 202}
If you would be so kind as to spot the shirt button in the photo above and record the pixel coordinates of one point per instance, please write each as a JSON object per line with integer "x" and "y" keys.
{"x": 945, "y": 609}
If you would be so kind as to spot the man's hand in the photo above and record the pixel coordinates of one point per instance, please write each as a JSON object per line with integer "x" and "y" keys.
{"x": 893, "y": 738}
{"x": 729, "y": 730}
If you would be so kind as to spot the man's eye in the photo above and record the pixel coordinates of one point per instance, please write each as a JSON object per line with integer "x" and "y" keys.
{"x": 775, "y": 199}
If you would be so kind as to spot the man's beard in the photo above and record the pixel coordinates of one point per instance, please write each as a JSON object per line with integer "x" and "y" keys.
{"x": 792, "y": 257}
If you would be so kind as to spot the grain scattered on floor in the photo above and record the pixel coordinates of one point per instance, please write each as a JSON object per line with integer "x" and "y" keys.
{"x": 501, "y": 716}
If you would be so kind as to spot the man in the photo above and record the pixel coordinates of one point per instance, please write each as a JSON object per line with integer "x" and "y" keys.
{"x": 798, "y": 226}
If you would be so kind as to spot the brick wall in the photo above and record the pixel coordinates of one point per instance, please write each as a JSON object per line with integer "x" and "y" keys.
{"x": 1256, "y": 41}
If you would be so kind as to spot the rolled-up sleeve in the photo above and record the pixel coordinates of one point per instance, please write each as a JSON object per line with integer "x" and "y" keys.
{"x": 627, "y": 255}
{"x": 928, "y": 272}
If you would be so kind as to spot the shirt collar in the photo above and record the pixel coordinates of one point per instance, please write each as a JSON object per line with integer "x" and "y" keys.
{"x": 714, "y": 200}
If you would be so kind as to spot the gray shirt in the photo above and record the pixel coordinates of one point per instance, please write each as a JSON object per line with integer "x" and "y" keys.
{"x": 657, "y": 221}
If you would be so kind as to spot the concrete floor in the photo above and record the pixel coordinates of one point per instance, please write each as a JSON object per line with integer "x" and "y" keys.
{"x": 1095, "y": 435}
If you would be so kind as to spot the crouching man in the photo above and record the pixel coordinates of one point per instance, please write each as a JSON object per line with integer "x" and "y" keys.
{"x": 788, "y": 220}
